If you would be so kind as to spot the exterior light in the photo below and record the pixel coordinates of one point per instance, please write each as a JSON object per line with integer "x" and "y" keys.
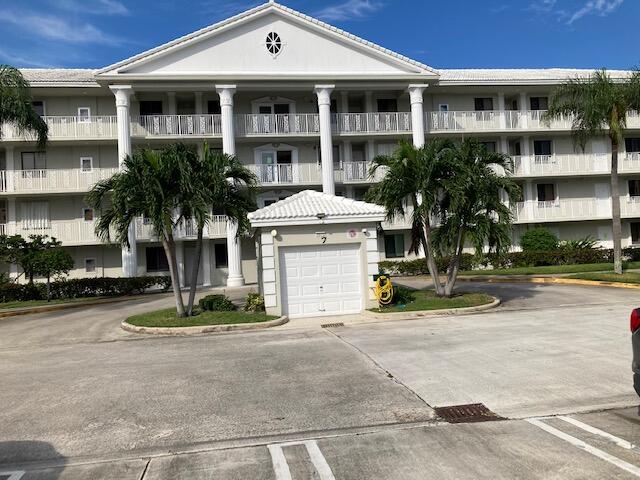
{"x": 274, "y": 233}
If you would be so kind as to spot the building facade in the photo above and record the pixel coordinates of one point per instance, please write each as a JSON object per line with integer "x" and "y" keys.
{"x": 305, "y": 106}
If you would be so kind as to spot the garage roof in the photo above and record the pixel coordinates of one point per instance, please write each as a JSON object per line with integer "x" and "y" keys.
{"x": 312, "y": 207}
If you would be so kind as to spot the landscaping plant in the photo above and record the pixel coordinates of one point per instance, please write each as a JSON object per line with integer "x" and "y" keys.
{"x": 539, "y": 239}
{"x": 216, "y": 303}
{"x": 255, "y": 303}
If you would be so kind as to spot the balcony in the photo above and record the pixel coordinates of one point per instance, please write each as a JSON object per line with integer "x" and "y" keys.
{"x": 368, "y": 123}
{"x": 492, "y": 121}
{"x": 69, "y": 232}
{"x": 560, "y": 165}
{"x": 70, "y": 128}
{"x": 562, "y": 210}
{"x": 52, "y": 180}
{"x": 217, "y": 228}
{"x": 291, "y": 124}
{"x": 358, "y": 172}
{"x": 176, "y": 126}
{"x": 288, "y": 173}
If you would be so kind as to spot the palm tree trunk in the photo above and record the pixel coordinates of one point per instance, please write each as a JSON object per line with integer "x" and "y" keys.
{"x": 615, "y": 209}
{"x": 170, "y": 251}
{"x": 431, "y": 261}
{"x": 194, "y": 271}
{"x": 454, "y": 267}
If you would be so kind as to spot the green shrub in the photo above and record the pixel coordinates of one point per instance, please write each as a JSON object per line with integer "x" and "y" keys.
{"x": 216, "y": 303}
{"x": 255, "y": 303}
{"x": 418, "y": 266}
{"x": 539, "y": 239}
{"x": 403, "y": 295}
{"x": 585, "y": 243}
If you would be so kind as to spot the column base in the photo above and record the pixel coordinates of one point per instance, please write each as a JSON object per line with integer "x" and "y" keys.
{"x": 235, "y": 282}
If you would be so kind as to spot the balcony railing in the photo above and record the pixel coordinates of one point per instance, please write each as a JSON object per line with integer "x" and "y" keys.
{"x": 280, "y": 124}
{"x": 562, "y": 210}
{"x": 570, "y": 164}
{"x": 176, "y": 126}
{"x": 494, "y": 120}
{"x": 70, "y": 127}
{"x": 52, "y": 180}
{"x": 359, "y": 172}
{"x": 217, "y": 228}
{"x": 288, "y": 173}
{"x": 356, "y": 123}
{"x": 69, "y": 232}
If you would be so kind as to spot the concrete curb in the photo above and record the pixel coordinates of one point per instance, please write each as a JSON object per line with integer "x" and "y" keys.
{"x": 67, "y": 306}
{"x": 433, "y": 313}
{"x": 550, "y": 280}
{"x": 199, "y": 330}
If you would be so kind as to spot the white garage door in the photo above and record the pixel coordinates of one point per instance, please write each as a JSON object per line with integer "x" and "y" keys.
{"x": 320, "y": 280}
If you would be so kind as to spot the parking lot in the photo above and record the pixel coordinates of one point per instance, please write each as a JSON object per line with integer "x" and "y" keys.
{"x": 349, "y": 402}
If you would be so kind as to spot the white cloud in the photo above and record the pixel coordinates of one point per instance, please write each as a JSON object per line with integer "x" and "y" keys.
{"x": 596, "y": 7}
{"x": 543, "y": 6}
{"x": 94, "y": 7}
{"x": 50, "y": 27}
{"x": 349, "y": 10}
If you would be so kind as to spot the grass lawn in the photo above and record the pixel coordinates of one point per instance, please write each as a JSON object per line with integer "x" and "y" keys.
{"x": 551, "y": 269}
{"x": 427, "y": 300}
{"x": 40, "y": 303}
{"x": 628, "y": 277}
{"x": 167, "y": 318}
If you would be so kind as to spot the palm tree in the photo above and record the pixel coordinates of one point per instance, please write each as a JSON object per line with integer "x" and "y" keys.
{"x": 221, "y": 181}
{"x": 472, "y": 206}
{"x": 410, "y": 187}
{"x": 599, "y": 106}
{"x": 16, "y": 108}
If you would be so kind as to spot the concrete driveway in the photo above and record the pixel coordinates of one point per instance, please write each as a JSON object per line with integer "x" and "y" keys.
{"x": 100, "y": 403}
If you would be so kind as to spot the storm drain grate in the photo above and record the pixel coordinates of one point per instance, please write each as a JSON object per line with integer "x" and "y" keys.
{"x": 332, "y": 325}
{"x": 476, "y": 412}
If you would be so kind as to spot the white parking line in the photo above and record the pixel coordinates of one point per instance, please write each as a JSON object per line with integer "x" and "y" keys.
{"x": 596, "y": 431}
{"x": 281, "y": 467}
{"x": 16, "y": 475}
{"x": 576, "y": 442}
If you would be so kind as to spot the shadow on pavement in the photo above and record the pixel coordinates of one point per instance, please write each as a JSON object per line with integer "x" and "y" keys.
{"x": 17, "y": 452}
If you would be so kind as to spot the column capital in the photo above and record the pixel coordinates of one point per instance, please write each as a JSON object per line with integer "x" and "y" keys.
{"x": 226, "y": 93}
{"x": 123, "y": 94}
{"x": 416, "y": 91}
{"x": 324, "y": 93}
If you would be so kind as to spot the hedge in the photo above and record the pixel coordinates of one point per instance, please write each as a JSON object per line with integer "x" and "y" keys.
{"x": 511, "y": 260}
{"x": 83, "y": 287}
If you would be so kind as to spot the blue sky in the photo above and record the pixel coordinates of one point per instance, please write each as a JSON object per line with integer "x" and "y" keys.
{"x": 440, "y": 33}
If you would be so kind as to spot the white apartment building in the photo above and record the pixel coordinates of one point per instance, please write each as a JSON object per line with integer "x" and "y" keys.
{"x": 305, "y": 106}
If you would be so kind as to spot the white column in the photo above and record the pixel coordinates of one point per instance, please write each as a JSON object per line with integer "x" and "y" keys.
{"x": 501, "y": 111}
{"x": 524, "y": 108}
{"x": 10, "y": 168}
{"x": 417, "y": 113}
{"x": 206, "y": 263}
{"x": 234, "y": 253}
{"x": 123, "y": 101}
{"x": 326, "y": 143}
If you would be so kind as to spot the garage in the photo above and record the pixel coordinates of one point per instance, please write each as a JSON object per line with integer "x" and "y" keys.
{"x": 317, "y": 254}
{"x": 321, "y": 280}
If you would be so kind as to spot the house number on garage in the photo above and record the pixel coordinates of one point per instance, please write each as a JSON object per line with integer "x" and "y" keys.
{"x": 353, "y": 233}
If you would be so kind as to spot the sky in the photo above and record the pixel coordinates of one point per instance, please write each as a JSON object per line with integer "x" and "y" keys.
{"x": 440, "y": 33}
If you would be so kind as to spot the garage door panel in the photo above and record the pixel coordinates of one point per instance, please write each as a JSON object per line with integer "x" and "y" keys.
{"x": 321, "y": 280}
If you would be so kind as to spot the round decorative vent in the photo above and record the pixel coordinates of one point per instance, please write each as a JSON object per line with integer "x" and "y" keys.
{"x": 273, "y": 43}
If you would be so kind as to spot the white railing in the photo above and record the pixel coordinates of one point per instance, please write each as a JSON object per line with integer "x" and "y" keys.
{"x": 52, "y": 180}
{"x": 629, "y": 206}
{"x": 569, "y": 164}
{"x": 70, "y": 127}
{"x": 288, "y": 173}
{"x": 629, "y": 162}
{"x": 493, "y": 120}
{"x": 562, "y": 210}
{"x": 176, "y": 125}
{"x": 354, "y": 123}
{"x": 217, "y": 228}
{"x": 69, "y": 232}
{"x": 359, "y": 172}
{"x": 280, "y": 124}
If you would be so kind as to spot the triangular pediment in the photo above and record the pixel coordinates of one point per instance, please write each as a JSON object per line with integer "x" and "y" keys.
{"x": 239, "y": 47}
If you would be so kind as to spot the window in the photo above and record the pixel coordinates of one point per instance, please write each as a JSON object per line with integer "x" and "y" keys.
{"x": 151, "y": 107}
{"x": 86, "y": 164}
{"x": 483, "y": 104}
{"x": 90, "y": 265}
{"x": 34, "y": 160}
{"x": 542, "y": 147}
{"x": 546, "y": 192}
{"x": 490, "y": 146}
{"x": 220, "y": 254}
{"x": 359, "y": 152}
{"x": 84, "y": 114}
{"x": 635, "y": 232}
{"x": 360, "y": 193}
{"x": 539, "y": 103}
{"x": 632, "y": 144}
{"x": 213, "y": 107}
{"x": 443, "y": 107}
{"x": 394, "y": 246}
{"x": 387, "y": 105}
{"x": 273, "y": 44}
{"x": 634, "y": 188}
{"x": 38, "y": 106}
{"x": 156, "y": 260}
{"x": 87, "y": 214}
